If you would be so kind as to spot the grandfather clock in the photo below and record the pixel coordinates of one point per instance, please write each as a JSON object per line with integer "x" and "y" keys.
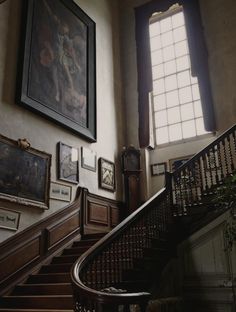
{"x": 131, "y": 169}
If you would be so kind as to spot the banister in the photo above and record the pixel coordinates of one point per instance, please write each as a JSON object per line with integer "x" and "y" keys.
{"x": 83, "y": 291}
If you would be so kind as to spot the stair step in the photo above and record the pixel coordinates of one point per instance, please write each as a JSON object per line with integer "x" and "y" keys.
{"x": 87, "y": 243}
{"x": 74, "y": 251}
{"x": 69, "y": 259}
{"x": 43, "y": 289}
{"x": 49, "y": 278}
{"x": 37, "y": 302}
{"x": 93, "y": 236}
{"x": 56, "y": 268}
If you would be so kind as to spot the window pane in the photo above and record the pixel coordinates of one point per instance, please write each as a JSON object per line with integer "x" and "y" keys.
{"x": 183, "y": 79}
{"x": 196, "y": 94}
{"x": 159, "y": 102}
{"x": 154, "y": 29}
{"x": 171, "y": 83}
{"x": 178, "y": 19}
{"x": 179, "y": 34}
{"x": 182, "y": 63}
{"x": 200, "y": 126}
{"x": 158, "y": 86}
{"x": 197, "y": 109}
{"x": 189, "y": 130}
{"x": 175, "y": 132}
{"x": 166, "y": 24}
{"x": 168, "y": 53}
{"x": 162, "y": 135}
{"x": 157, "y": 57}
{"x": 170, "y": 67}
{"x": 167, "y": 39}
{"x": 181, "y": 48}
{"x": 172, "y": 98}
{"x": 185, "y": 95}
{"x": 157, "y": 71}
{"x": 187, "y": 111}
{"x": 161, "y": 118}
{"x": 156, "y": 43}
{"x": 173, "y": 115}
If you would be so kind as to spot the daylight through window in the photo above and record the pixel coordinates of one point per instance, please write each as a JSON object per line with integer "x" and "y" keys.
{"x": 176, "y": 99}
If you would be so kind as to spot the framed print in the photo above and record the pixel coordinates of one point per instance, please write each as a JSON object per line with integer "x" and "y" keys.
{"x": 88, "y": 159}
{"x": 107, "y": 174}
{"x": 175, "y": 163}
{"x": 68, "y": 164}
{"x": 57, "y": 73}
{"x": 24, "y": 174}
{"x": 9, "y": 219}
{"x": 60, "y": 191}
{"x": 158, "y": 169}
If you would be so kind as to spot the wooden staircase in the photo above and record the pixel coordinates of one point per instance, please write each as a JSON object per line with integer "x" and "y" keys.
{"x": 49, "y": 289}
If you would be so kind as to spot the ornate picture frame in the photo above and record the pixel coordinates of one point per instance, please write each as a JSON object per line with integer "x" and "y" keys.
{"x": 57, "y": 65}
{"x": 24, "y": 174}
{"x": 68, "y": 163}
{"x": 107, "y": 177}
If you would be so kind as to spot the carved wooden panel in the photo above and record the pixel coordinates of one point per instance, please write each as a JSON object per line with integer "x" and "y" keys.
{"x": 98, "y": 213}
{"x": 20, "y": 257}
{"x": 115, "y": 218}
{"x": 62, "y": 229}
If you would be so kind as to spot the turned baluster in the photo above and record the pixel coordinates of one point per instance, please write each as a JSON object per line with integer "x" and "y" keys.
{"x": 210, "y": 165}
{"x": 230, "y": 153}
{"x": 225, "y": 158}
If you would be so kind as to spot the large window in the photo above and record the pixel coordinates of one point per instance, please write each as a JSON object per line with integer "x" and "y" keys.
{"x": 176, "y": 99}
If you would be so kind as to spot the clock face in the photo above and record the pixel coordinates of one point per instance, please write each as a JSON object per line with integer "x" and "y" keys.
{"x": 131, "y": 160}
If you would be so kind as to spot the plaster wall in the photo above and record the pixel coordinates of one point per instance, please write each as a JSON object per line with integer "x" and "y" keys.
{"x": 18, "y": 122}
{"x": 219, "y": 24}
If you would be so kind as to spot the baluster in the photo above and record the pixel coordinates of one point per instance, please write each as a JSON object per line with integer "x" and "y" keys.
{"x": 195, "y": 175}
{"x": 234, "y": 143}
{"x": 225, "y": 158}
{"x": 175, "y": 197}
{"x": 204, "y": 160}
{"x": 220, "y": 162}
{"x": 209, "y": 162}
{"x": 230, "y": 154}
{"x": 200, "y": 182}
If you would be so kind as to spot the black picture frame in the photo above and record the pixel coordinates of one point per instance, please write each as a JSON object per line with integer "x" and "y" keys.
{"x": 68, "y": 163}
{"x": 107, "y": 176}
{"x": 24, "y": 174}
{"x": 57, "y": 67}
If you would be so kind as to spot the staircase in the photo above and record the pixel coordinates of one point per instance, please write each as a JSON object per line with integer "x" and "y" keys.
{"x": 49, "y": 289}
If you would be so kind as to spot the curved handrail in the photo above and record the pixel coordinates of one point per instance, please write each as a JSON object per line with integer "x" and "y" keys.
{"x": 82, "y": 291}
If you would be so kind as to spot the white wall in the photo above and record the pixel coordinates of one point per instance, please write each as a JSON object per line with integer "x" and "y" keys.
{"x": 18, "y": 122}
{"x": 220, "y": 29}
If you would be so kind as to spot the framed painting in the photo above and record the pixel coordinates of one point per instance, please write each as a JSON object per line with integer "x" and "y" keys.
{"x": 88, "y": 159}
{"x": 60, "y": 191}
{"x": 57, "y": 66}
{"x": 68, "y": 164}
{"x": 107, "y": 174}
{"x": 158, "y": 169}
{"x": 9, "y": 219}
{"x": 24, "y": 174}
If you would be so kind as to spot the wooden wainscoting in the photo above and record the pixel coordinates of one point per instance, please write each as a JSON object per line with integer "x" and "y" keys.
{"x": 100, "y": 214}
{"x": 24, "y": 251}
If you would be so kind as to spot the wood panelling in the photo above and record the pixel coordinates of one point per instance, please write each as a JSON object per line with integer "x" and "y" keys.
{"x": 25, "y": 254}
{"x": 24, "y": 251}
{"x": 62, "y": 230}
{"x": 100, "y": 213}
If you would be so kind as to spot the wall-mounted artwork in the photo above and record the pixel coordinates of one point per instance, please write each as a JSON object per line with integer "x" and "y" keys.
{"x": 60, "y": 191}
{"x": 107, "y": 174}
{"x": 88, "y": 159}
{"x": 175, "y": 163}
{"x": 158, "y": 169}
{"x": 24, "y": 174}
{"x": 68, "y": 164}
{"x": 9, "y": 219}
{"x": 57, "y": 74}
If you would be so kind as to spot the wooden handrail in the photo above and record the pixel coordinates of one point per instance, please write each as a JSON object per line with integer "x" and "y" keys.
{"x": 87, "y": 296}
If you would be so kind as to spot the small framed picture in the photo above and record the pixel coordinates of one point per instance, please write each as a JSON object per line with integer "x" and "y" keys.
{"x": 9, "y": 219}
{"x": 88, "y": 159}
{"x": 107, "y": 174}
{"x": 158, "y": 169}
{"x": 68, "y": 164}
{"x": 60, "y": 191}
